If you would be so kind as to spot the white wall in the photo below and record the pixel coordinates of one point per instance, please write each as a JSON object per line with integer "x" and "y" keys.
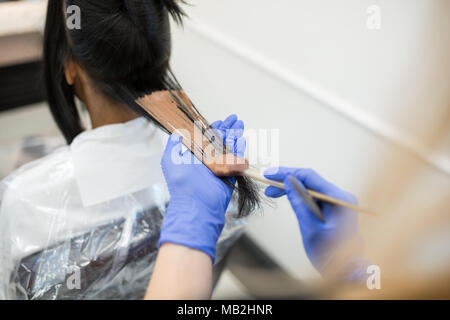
{"x": 363, "y": 107}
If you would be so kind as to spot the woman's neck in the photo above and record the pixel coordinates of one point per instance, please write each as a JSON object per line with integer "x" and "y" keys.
{"x": 103, "y": 110}
{"x": 108, "y": 112}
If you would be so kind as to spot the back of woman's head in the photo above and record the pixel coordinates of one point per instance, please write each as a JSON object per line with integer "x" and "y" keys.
{"x": 120, "y": 44}
{"x": 124, "y": 48}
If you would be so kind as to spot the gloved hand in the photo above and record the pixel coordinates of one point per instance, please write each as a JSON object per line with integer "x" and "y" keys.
{"x": 322, "y": 239}
{"x": 195, "y": 216}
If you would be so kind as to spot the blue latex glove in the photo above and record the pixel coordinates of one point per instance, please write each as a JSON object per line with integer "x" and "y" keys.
{"x": 195, "y": 216}
{"x": 322, "y": 239}
{"x": 231, "y": 132}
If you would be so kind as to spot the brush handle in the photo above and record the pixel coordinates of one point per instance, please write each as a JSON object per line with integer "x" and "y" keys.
{"x": 256, "y": 175}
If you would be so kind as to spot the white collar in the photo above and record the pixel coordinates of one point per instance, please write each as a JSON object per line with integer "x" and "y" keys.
{"x": 116, "y": 160}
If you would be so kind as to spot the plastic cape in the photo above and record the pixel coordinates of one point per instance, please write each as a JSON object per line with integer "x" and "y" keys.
{"x": 84, "y": 221}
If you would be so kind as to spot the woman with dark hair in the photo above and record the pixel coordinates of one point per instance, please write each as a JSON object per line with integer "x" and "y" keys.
{"x": 84, "y": 221}
{"x": 119, "y": 45}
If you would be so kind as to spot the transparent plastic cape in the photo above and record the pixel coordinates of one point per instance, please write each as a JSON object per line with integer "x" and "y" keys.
{"x": 54, "y": 246}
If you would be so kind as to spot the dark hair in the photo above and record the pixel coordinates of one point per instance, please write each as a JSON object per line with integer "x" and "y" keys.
{"x": 121, "y": 43}
{"x": 124, "y": 46}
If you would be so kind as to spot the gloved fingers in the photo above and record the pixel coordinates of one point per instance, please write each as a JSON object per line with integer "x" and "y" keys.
{"x": 228, "y": 122}
{"x": 174, "y": 143}
{"x": 240, "y": 146}
{"x": 312, "y": 180}
{"x": 278, "y": 173}
{"x": 304, "y": 214}
{"x": 216, "y": 124}
{"x": 274, "y": 192}
{"x": 172, "y": 151}
{"x": 189, "y": 158}
{"x": 236, "y": 131}
{"x": 221, "y": 127}
{"x": 238, "y": 127}
{"x": 216, "y": 132}
{"x": 232, "y": 135}
{"x": 231, "y": 131}
{"x": 231, "y": 180}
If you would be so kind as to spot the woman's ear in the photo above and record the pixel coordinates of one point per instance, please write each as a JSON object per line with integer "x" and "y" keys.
{"x": 70, "y": 71}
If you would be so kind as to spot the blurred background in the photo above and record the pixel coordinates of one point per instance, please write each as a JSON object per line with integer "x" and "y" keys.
{"x": 367, "y": 106}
